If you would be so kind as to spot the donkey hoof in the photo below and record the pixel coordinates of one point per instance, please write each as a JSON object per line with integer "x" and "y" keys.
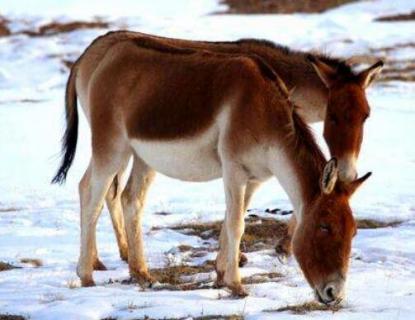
{"x": 124, "y": 256}
{"x": 87, "y": 283}
{"x": 243, "y": 260}
{"x": 143, "y": 278}
{"x": 99, "y": 266}
{"x": 283, "y": 251}
{"x": 238, "y": 291}
{"x": 219, "y": 283}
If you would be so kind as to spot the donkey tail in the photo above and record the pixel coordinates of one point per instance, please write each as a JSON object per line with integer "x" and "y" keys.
{"x": 70, "y": 136}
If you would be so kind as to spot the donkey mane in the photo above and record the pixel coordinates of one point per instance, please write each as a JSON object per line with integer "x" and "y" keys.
{"x": 340, "y": 65}
{"x": 266, "y": 70}
{"x": 303, "y": 150}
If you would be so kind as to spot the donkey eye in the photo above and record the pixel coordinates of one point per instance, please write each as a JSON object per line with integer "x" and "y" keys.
{"x": 333, "y": 119}
{"x": 324, "y": 228}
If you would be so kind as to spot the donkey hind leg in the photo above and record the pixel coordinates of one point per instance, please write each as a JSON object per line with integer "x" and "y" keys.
{"x": 92, "y": 189}
{"x": 114, "y": 204}
{"x": 227, "y": 262}
{"x": 133, "y": 198}
{"x": 284, "y": 245}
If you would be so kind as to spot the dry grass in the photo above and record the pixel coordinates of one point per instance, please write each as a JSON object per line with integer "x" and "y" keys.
{"x": 11, "y": 317}
{"x": 54, "y": 28}
{"x": 262, "y": 278}
{"x": 307, "y": 307}
{"x": 173, "y": 274}
{"x": 34, "y": 262}
{"x": 220, "y": 317}
{"x": 398, "y": 17}
{"x": 4, "y": 266}
{"x": 280, "y": 6}
{"x": 211, "y": 317}
{"x": 10, "y": 209}
{"x": 4, "y": 29}
{"x": 376, "y": 224}
{"x": 260, "y": 233}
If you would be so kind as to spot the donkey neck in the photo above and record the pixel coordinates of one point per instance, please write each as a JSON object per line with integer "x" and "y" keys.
{"x": 298, "y": 163}
{"x": 308, "y": 91}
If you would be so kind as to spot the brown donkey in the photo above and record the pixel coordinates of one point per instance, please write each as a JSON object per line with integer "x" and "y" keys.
{"x": 198, "y": 116}
{"x": 323, "y": 88}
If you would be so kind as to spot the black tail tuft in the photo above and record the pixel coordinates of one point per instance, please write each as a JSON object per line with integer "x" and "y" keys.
{"x": 70, "y": 137}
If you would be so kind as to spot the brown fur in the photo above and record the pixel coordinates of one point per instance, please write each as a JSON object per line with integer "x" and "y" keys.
{"x": 160, "y": 93}
{"x": 294, "y": 67}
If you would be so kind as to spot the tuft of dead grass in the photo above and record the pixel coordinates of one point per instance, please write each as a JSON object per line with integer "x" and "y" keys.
{"x": 260, "y": 233}
{"x": 4, "y": 266}
{"x": 54, "y": 28}
{"x": 4, "y": 29}
{"x": 11, "y": 317}
{"x": 304, "y": 308}
{"x": 398, "y": 17}
{"x": 280, "y": 6}
{"x": 34, "y": 262}
{"x": 376, "y": 224}
{"x": 262, "y": 278}
{"x": 173, "y": 274}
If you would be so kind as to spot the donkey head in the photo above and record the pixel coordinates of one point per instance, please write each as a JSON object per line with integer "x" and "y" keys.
{"x": 346, "y": 112}
{"x": 322, "y": 241}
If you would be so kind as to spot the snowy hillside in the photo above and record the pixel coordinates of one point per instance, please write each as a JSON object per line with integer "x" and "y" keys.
{"x": 41, "y": 221}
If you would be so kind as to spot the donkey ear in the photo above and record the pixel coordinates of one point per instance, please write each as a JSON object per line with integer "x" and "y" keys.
{"x": 326, "y": 73}
{"x": 354, "y": 185}
{"x": 329, "y": 177}
{"x": 367, "y": 76}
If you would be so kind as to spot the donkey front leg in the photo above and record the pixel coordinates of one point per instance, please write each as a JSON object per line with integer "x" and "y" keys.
{"x": 133, "y": 198}
{"x": 92, "y": 189}
{"x": 251, "y": 187}
{"x": 227, "y": 264}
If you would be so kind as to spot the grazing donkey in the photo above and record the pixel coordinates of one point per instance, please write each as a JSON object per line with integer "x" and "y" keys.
{"x": 198, "y": 116}
{"x": 323, "y": 89}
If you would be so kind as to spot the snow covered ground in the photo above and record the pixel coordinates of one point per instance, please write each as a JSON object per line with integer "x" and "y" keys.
{"x": 38, "y": 220}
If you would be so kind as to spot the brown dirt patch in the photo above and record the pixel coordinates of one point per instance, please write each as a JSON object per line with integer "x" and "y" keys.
{"x": 4, "y": 266}
{"x": 398, "y": 17}
{"x": 307, "y": 307}
{"x": 280, "y": 6}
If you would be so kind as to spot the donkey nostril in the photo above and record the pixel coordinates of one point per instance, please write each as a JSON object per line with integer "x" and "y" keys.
{"x": 330, "y": 293}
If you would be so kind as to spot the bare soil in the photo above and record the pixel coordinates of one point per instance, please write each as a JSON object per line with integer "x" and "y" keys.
{"x": 280, "y": 6}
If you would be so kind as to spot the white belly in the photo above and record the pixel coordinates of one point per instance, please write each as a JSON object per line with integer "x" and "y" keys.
{"x": 191, "y": 159}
